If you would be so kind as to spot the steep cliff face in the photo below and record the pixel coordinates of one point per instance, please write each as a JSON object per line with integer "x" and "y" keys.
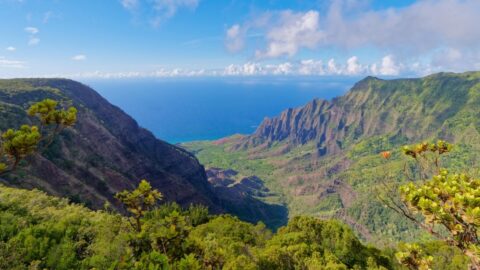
{"x": 313, "y": 122}
{"x": 324, "y": 159}
{"x": 105, "y": 152}
{"x": 413, "y": 108}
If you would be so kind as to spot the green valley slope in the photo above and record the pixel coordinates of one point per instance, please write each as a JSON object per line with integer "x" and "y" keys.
{"x": 323, "y": 159}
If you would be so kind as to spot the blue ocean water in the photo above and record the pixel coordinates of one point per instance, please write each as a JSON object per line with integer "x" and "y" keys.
{"x": 180, "y": 110}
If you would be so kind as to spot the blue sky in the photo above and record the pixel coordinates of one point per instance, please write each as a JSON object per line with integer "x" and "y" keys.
{"x": 165, "y": 38}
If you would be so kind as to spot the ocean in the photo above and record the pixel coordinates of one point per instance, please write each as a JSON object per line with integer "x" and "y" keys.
{"x": 181, "y": 110}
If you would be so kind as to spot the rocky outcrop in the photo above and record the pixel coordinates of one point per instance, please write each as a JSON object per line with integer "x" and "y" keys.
{"x": 412, "y": 108}
{"x": 105, "y": 152}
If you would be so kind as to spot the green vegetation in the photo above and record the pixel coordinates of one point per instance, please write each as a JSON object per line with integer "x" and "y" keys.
{"x": 442, "y": 207}
{"x": 16, "y": 145}
{"x": 445, "y": 205}
{"x": 376, "y": 115}
{"x": 352, "y": 182}
{"x": 38, "y": 231}
{"x": 139, "y": 201}
{"x": 98, "y": 157}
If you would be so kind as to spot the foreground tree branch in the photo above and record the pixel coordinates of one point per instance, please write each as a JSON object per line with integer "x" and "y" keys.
{"x": 448, "y": 203}
{"x": 16, "y": 145}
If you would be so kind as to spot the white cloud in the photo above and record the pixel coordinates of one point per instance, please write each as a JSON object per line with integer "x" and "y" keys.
{"x": 168, "y": 8}
{"x": 79, "y": 57}
{"x": 353, "y": 66}
{"x": 389, "y": 67}
{"x": 311, "y": 67}
{"x": 283, "y": 69}
{"x": 418, "y": 28}
{"x": 454, "y": 59}
{"x": 445, "y": 32}
{"x": 5, "y": 63}
{"x": 47, "y": 16}
{"x": 246, "y": 69}
{"x": 251, "y": 68}
{"x": 385, "y": 66}
{"x": 292, "y": 32}
{"x": 332, "y": 67}
{"x": 157, "y": 11}
{"x": 129, "y": 4}
{"x": 11, "y": 49}
{"x": 308, "y": 67}
{"x": 33, "y": 41}
{"x": 161, "y": 73}
{"x": 31, "y": 30}
{"x": 235, "y": 38}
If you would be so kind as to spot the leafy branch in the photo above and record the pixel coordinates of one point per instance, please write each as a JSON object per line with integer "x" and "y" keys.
{"x": 16, "y": 145}
{"x": 444, "y": 204}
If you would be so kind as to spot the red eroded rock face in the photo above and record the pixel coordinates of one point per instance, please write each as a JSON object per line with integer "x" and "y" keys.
{"x": 105, "y": 152}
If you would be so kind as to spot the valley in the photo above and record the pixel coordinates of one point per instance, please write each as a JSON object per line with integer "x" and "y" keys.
{"x": 323, "y": 159}
{"x": 293, "y": 177}
{"x": 240, "y": 135}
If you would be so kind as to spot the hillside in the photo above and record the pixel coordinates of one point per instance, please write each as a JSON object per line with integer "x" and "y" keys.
{"x": 105, "y": 152}
{"x": 323, "y": 158}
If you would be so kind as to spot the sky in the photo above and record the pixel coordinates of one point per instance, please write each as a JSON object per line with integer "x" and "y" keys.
{"x": 188, "y": 38}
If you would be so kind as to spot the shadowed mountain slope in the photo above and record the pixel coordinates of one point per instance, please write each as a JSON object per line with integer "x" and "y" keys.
{"x": 105, "y": 152}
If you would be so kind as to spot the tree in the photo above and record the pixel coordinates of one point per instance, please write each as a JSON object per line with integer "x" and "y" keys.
{"x": 444, "y": 204}
{"x": 16, "y": 145}
{"x": 451, "y": 202}
{"x": 139, "y": 201}
{"x": 413, "y": 257}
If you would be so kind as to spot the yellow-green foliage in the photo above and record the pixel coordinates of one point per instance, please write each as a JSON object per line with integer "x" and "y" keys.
{"x": 16, "y": 145}
{"x": 36, "y": 229}
{"x": 46, "y": 110}
{"x": 139, "y": 201}
{"x": 451, "y": 201}
{"x": 308, "y": 243}
{"x": 448, "y": 203}
{"x": 43, "y": 232}
{"x": 413, "y": 257}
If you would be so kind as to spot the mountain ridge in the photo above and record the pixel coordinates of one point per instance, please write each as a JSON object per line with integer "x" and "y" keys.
{"x": 329, "y": 123}
{"x": 105, "y": 152}
{"x": 323, "y": 158}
